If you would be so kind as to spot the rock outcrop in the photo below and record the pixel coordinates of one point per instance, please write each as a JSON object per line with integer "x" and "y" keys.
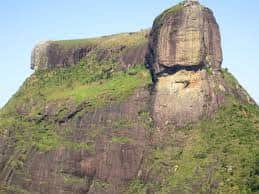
{"x": 184, "y": 44}
{"x": 47, "y": 55}
{"x": 184, "y": 35}
{"x": 104, "y": 169}
{"x": 55, "y": 54}
{"x": 102, "y": 127}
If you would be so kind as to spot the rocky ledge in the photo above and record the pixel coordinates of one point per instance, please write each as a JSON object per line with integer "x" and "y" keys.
{"x": 128, "y": 49}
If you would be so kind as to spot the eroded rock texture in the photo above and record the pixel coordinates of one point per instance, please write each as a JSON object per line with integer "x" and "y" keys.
{"x": 106, "y": 148}
{"x": 185, "y": 35}
{"x": 185, "y": 97}
{"x": 117, "y": 136}
{"x": 130, "y": 50}
{"x": 49, "y": 54}
{"x": 184, "y": 41}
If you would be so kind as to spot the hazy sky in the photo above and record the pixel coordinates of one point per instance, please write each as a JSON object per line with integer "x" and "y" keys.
{"x": 23, "y": 23}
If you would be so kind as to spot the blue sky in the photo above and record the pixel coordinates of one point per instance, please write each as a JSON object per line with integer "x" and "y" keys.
{"x": 24, "y": 23}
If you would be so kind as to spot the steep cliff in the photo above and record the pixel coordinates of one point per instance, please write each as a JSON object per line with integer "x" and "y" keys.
{"x": 185, "y": 35}
{"x": 126, "y": 49}
{"x": 90, "y": 119}
{"x": 184, "y": 45}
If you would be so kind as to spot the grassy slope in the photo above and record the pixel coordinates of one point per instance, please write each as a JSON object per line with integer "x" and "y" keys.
{"x": 91, "y": 82}
{"x": 129, "y": 39}
{"x": 43, "y": 88}
{"x": 94, "y": 82}
{"x": 219, "y": 155}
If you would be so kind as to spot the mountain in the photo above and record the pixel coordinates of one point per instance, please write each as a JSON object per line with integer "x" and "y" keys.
{"x": 144, "y": 112}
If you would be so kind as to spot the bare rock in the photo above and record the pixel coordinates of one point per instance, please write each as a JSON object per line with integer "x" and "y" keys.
{"x": 47, "y": 55}
{"x": 38, "y": 58}
{"x": 186, "y": 35}
{"x": 184, "y": 41}
{"x": 185, "y": 97}
{"x": 104, "y": 149}
{"x": 55, "y": 54}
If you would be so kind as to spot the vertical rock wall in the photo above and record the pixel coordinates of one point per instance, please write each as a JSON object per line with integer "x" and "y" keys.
{"x": 126, "y": 49}
{"x": 185, "y": 35}
{"x": 184, "y": 42}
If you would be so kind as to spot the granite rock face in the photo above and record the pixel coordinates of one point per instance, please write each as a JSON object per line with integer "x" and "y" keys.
{"x": 49, "y": 54}
{"x": 185, "y": 35}
{"x": 185, "y": 97}
{"x": 105, "y": 169}
{"x": 184, "y": 43}
{"x": 123, "y": 144}
{"x": 55, "y": 54}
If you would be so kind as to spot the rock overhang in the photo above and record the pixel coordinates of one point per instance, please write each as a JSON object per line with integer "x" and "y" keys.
{"x": 187, "y": 94}
{"x": 184, "y": 36}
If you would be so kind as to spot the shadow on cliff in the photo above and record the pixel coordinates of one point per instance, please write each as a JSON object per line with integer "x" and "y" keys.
{"x": 166, "y": 70}
{"x": 172, "y": 70}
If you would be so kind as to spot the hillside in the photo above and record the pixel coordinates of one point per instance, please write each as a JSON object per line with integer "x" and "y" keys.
{"x": 143, "y": 112}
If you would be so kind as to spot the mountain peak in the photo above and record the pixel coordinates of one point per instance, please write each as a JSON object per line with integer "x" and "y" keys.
{"x": 190, "y": 1}
{"x": 186, "y": 36}
{"x": 144, "y": 112}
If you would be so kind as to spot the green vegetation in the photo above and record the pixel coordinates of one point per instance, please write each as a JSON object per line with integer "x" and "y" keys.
{"x": 100, "y": 185}
{"x": 159, "y": 20}
{"x": 230, "y": 79}
{"x": 147, "y": 122}
{"x": 39, "y": 136}
{"x": 24, "y": 118}
{"x": 98, "y": 93}
{"x": 71, "y": 180}
{"x": 220, "y": 155}
{"x": 30, "y": 133}
{"x": 136, "y": 187}
{"x": 14, "y": 189}
{"x": 129, "y": 39}
{"x": 88, "y": 81}
{"x": 26, "y": 125}
{"x": 122, "y": 124}
{"x": 209, "y": 70}
{"x": 120, "y": 139}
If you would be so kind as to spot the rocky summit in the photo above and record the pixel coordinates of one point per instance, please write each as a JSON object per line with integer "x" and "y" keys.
{"x": 54, "y": 54}
{"x": 144, "y": 112}
{"x": 185, "y": 35}
{"x": 184, "y": 41}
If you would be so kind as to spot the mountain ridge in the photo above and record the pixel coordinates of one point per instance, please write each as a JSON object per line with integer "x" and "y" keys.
{"x": 132, "y": 113}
